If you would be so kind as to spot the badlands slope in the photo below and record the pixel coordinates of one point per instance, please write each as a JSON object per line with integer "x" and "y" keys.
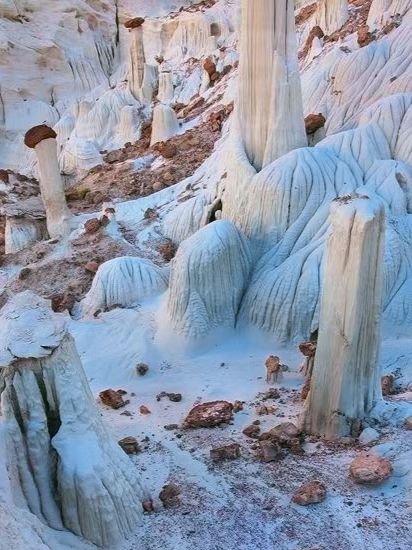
{"x": 249, "y": 256}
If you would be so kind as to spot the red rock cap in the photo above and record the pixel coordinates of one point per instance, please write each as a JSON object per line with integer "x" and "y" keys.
{"x": 134, "y": 23}
{"x": 37, "y": 134}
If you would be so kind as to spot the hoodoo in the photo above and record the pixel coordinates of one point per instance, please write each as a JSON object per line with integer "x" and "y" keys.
{"x": 331, "y": 15}
{"x": 43, "y": 140}
{"x": 270, "y": 108}
{"x": 345, "y": 380}
{"x": 63, "y": 465}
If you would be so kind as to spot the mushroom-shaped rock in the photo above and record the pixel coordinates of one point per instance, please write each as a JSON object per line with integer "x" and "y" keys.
{"x": 345, "y": 382}
{"x": 25, "y": 224}
{"x": 43, "y": 140}
{"x": 124, "y": 282}
{"x": 63, "y": 465}
{"x": 165, "y": 124}
{"x": 134, "y": 23}
{"x": 208, "y": 277}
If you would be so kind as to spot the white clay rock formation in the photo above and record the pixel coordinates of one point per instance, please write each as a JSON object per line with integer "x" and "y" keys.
{"x": 62, "y": 464}
{"x": 166, "y": 88}
{"x": 331, "y": 15}
{"x": 165, "y": 124}
{"x": 25, "y": 224}
{"x": 124, "y": 282}
{"x": 270, "y": 107}
{"x": 43, "y": 140}
{"x": 345, "y": 383}
{"x": 208, "y": 277}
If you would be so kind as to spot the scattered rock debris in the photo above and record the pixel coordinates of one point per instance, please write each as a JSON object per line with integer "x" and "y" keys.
{"x": 113, "y": 398}
{"x": 130, "y": 445}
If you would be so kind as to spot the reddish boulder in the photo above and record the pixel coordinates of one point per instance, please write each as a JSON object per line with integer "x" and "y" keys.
{"x": 311, "y": 492}
{"x": 387, "y": 384}
{"x": 208, "y": 415}
{"x": 226, "y": 452}
{"x": 91, "y": 266}
{"x": 92, "y": 226}
{"x": 364, "y": 36}
{"x": 314, "y": 122}
{"x": 169, "y": 495}
{"x": 130, "y": 445}
{"x": 113, "y": 399}
{"x": 209, "y": 66}
{"x": 61, "y": 302}
{"x": 252, "y": 431}
{"x": 368, "y": 469}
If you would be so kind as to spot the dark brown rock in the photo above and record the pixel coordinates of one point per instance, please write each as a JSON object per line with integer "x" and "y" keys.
{"x": 209, "y": 66}
{"x": 166, "y": 149}
{"x": 314, "y": 122}
{"x": 130, "y": 445}
{"x": 226, "y": 452}
{"x": 208, "y": 415}
{"x": 270, "y": 451}
{"x": 92, "y": 226}
{"x": 4, "y": 176}
{"x": 134, "y": 23}
{"x": 364, "y": 36}
{"x": 252, "y": 431}
{"x": 113, "y": 399}
{"x": 387, "y": 382}
{"x": 311, "y": 492}
{"x": 148, "y": 505}
{"x": 144, "y": 410}
{"x": 142, "y": 369}
{"x": 237, "y": 406}
{"x": 169, "y": 495}
{"x": 61, "y": 302}
{"x": 37, "y": 134}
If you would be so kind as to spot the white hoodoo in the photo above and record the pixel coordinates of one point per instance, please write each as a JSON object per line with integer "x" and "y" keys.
{"x": 270, "y": 108}
{"x": 345, "y": 382}
{"x": 165, "y": 124}
{"x": 43, "y": 140}
{"x": 63, "y": 465}
{"x": 331, "y": 15}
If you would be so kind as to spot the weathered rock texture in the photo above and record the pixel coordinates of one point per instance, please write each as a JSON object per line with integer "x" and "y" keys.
{"x": 345, "y": 379}
{"x": 43, "y": 140}
{"x": 331, "y": 15}
{"x": 62, "y": 464}
{"x": 270, "y": 107}
{"x": 208, "y": 277}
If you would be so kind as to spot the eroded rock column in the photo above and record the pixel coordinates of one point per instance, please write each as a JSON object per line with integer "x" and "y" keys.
{"x": 43, "y": 140}
{"x": 63, "y": 465}
{"x": 346, "y": 381}
{"x": 270, "y": 108}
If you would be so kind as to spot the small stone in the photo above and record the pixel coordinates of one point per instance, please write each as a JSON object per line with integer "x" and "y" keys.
{"x": 226, "y": 452}
{"x": 270, "y": 451}
{"x": 148, "y": 505}
{"x": 91, "y": 266}
{"x": 408, "y": 423}
{"x": 237, "y": 406}
{"x": 387, "y": 382}
{"x": 158, "y": 186}
{"x": 171, "y": 427}
{"x": 209, "y": 66}
{"x": 112, "y": 399}
{"x": 368, "y": 435}
{"x": 262, "y": 410}
{"x": 368, "y": 469}
{"x": 169, "y": 495}
{"x": 174, "y": 397}
{"x": 311, "y": 492}
{"x": 166, "y": 149}
{"x": 314, "y": 122}
{"x": 271, "y": 393}
{"x": 144, "y": 410}
{"x": 209, "y": 415}
{"x": 92, "y": 226}
{"x": 252, "y": 431}
{"x": 126, "y": 413}
{"x": 130, "y": 445}
{"x": 142, "y": 368}
{"x": 24, "y": 273}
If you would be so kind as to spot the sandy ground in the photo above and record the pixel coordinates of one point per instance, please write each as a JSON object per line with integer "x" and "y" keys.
{"x": 242, "y": 504}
